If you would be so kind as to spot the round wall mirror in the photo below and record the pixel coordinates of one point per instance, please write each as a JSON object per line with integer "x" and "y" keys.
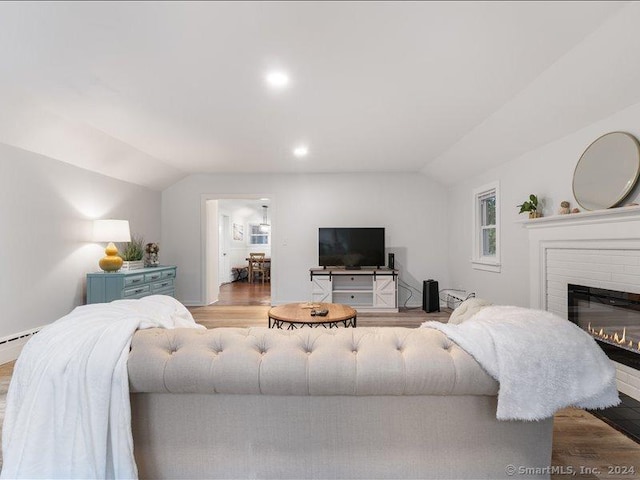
{"x": 607, "y": 171}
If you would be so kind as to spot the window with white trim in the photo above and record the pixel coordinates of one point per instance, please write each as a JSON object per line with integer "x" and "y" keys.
{"x": 257, "y": 236}
{"x": 486, "y": 228}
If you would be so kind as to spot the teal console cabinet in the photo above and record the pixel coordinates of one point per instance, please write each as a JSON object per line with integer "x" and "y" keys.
{"x": 105, "y": 287}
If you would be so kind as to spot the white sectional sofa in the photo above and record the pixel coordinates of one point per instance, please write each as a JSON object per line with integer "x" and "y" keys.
{"x": 313, "y": 403}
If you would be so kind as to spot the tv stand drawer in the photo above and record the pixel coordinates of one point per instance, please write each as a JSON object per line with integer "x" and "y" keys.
{"x": 352, "y": 282}
{"x": 354, "y": 299}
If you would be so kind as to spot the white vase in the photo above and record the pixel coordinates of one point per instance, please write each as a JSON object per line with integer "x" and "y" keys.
{"x": 132, "y": 265}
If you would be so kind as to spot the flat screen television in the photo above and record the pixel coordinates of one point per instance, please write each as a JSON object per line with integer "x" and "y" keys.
{"x": 351, "y": 247}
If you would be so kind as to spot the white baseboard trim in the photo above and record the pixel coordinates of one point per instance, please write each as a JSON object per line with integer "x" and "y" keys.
{"x": 11, "y": 345}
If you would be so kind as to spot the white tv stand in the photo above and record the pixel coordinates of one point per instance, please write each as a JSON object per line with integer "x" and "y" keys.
{"x": 366, "y": 290}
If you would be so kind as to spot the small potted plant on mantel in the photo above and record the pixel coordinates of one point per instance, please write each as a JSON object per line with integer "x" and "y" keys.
{"x": 531, "y": 206}
{"x": 132, "y": 254}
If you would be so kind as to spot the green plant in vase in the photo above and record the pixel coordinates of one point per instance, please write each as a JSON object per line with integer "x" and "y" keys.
{"x": 132, "y": 253}
{"x": 531, "y": 206}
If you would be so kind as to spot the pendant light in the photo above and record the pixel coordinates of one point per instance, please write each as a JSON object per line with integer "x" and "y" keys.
{"x": 264, "y": 226}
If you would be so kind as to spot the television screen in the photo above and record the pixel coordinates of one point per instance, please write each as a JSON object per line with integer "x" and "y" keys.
{"x": 351, "y": 247}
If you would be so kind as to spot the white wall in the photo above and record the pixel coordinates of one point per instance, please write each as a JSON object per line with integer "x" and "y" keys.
{"x": 212, "y": 241}
{"x": 410, "y": 206}
{"x": 547, "y": 172}
{"x": 46, "y": 208}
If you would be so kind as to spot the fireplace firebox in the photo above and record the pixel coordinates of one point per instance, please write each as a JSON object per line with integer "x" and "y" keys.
{"x": 612, "y": 317}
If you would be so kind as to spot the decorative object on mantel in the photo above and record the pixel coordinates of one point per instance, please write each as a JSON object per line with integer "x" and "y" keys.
{"x": 531, "y": 206}
{"x": 132, "y": 254}
{"x": 151, "y": 255}
{"x": 565, "y": 208}
{"x": 575, "y": 210}
{"x": 111, "y": 231}
{"x": 607, "y": 171}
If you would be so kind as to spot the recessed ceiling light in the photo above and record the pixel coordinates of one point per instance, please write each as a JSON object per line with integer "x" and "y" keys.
{"x": 277, "y": 79}
{"x": 301, "y": 151}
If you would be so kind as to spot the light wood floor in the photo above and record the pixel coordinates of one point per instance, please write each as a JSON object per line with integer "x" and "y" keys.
{"x": 6, "y": 370}
{"x": 244, "y": 293}
{"x": 593, "y": 449}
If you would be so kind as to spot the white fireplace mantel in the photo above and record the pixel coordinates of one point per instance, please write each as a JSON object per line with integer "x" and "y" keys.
{"x": 611, "y": 215}
{"x": 613, "y": 229}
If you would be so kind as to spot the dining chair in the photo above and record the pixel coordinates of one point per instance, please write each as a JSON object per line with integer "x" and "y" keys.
{"x": 257, "y": 265}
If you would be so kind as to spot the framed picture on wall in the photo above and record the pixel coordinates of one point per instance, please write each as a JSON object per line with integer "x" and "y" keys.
{"x": 238, "y": 231}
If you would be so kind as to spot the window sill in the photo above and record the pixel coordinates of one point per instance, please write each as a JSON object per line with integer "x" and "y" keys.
{"x": 486, "y": 266}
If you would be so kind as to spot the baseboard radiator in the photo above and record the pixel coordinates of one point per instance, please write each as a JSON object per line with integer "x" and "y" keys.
{"x": 11, "y": 346}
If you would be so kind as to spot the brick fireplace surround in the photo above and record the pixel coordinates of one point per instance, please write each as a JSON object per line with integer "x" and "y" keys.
{"x": 597, "y": 249}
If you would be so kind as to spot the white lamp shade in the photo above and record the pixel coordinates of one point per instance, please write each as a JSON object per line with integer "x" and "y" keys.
{"x": 111, "y": 231}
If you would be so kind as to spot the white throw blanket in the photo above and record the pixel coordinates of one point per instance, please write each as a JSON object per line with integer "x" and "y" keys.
{"x": 542, "y": 362}
{"x": 68, "y": 413}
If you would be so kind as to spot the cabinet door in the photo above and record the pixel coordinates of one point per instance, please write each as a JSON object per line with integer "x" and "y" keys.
{"x": 385, "y": 292}
{"x": 321, "y": 289}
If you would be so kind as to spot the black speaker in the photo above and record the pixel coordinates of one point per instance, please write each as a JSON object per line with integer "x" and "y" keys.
{"x": 430, "y": 296}
{"x": 392, "y": 261}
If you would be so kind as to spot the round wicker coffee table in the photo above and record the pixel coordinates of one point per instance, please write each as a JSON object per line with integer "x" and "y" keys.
{"x": 298, "y": 315}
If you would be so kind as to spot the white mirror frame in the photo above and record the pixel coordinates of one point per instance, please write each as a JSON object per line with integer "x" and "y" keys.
{"x": 607, "y": 171}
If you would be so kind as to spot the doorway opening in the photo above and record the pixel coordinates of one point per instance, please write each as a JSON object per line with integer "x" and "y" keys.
{"x": 237, "y": 229}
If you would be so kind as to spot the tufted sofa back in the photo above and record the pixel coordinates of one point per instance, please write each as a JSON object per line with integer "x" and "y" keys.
{"x": 360, "y": 361}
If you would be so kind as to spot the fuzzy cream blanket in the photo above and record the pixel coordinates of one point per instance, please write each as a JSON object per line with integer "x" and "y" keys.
{"x": 68, "y": 413}
{"x": 542, "y": 362}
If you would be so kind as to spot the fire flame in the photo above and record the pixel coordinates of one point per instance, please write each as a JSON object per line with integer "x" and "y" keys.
{"x": 614, "y": 338}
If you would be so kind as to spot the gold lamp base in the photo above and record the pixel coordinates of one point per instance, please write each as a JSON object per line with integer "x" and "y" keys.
{"x": 111, "y": 262}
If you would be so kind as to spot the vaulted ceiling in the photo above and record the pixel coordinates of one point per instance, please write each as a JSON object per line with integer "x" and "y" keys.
{"x": 150, "y": 92}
